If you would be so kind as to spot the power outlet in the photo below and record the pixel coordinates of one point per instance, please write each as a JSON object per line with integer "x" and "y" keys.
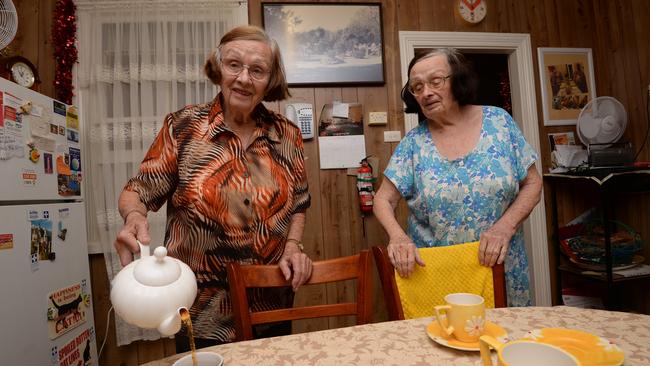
{"x": 392, "y": 136}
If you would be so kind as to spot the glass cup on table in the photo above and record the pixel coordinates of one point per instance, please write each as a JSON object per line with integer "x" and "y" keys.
{"x": 465, "y": 316}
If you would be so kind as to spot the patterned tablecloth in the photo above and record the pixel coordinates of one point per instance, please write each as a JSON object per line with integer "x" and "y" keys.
{"x": 406, "y": 343}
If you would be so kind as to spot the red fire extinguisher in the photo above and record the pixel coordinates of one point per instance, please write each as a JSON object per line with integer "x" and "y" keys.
{"x": 364, "y": 186}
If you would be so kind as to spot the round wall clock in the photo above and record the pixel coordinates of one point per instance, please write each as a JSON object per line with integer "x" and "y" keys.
{"x": 472, "y": 11}
{"x": 21, "y": 71}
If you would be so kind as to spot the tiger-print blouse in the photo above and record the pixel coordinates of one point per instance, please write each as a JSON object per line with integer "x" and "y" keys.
{"x": 223, "y": 203}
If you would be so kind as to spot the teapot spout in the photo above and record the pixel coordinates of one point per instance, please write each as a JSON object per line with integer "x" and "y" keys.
{"x": 172, "y": 324}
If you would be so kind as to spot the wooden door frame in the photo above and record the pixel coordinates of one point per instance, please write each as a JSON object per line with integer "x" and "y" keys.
{"x": 517, "y": 47}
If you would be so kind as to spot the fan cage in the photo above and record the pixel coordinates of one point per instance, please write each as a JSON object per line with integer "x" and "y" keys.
{"x": 8, "y": 22}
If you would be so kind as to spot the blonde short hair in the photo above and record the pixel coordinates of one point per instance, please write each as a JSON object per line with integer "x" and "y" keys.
{"x": 277, "y": 88}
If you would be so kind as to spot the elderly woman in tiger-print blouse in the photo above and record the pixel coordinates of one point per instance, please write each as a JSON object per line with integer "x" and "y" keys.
{"x": 233, "y": 176}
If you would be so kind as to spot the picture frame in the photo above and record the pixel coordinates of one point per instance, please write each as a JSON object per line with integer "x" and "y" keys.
{"x": 567, "y": 83}
{"x": 328, "y": 44}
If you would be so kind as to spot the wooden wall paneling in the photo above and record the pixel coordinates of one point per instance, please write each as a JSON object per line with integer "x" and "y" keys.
{"x": 313, "y": 235}
{"x": 350, "y": 217}
{"x": 45, "y": 57}
{"x": 428, "y": 16}
{"x": 634, "y": 92}
{"x": 640, "y": 16}
{"x": 335, "y": 206}
{"x": 150, "y": 351}
{"x": 374, "y": 100}
{"x": 408, "y": 15}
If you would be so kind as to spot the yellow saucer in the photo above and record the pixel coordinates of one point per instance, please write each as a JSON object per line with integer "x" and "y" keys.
{"x": 589, "y": 349}
{"x": 437, "y": 335}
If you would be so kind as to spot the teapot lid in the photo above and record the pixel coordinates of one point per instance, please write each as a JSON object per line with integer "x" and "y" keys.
{"x": 156, "y": 270}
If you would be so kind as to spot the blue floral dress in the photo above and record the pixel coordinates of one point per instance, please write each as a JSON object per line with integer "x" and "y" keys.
{"x": 452, "y": 202}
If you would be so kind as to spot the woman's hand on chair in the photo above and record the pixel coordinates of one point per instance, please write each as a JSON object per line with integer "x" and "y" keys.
{"x": 403, "y": 255}
{"x": 494, "y": 245}
{"x": 297, "y": 266}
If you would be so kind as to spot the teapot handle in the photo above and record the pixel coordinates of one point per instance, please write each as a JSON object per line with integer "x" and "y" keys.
{"x": 144, "y": 249}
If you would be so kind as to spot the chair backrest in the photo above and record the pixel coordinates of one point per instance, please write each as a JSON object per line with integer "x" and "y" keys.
{"x": 392, "y": 295}
{"x": 243, "y": 276}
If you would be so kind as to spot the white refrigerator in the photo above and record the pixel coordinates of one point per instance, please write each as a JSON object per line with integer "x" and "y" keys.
{"x": 46, "y": 314}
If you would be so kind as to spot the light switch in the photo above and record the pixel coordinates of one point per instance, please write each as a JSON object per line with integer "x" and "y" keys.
{"x": 392, "y": 136}
{"x": 377, "y": 118}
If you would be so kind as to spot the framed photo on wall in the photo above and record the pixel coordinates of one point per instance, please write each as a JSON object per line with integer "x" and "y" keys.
{"x": 328, "y": 44}
{"x": 567, "y": 80}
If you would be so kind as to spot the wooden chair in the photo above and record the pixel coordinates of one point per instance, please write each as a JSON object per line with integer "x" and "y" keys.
{"x": 391, "y": 293}
{"x": 241, "y": 277}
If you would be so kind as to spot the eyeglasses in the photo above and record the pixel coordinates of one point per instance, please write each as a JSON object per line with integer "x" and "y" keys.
{"x": 235, "y": 67}
{"x": 435, "y": 82}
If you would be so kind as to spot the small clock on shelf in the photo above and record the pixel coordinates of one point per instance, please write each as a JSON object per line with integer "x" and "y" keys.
{"x": 21, "y": 71}
{"x": 472, "y": 11}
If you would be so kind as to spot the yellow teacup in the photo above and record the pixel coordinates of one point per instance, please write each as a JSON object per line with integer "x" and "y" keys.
{"x": 524, "y": 353}
{"x": 465, "y": 316}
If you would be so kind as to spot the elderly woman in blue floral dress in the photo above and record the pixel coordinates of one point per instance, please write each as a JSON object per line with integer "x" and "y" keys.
{"x": 466, "y": 173}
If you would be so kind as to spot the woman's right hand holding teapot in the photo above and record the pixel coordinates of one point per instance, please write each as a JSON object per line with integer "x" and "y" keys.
{"x": 136, "y": 227}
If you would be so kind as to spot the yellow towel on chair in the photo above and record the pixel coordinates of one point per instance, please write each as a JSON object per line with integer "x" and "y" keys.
{"x": 448, "y": 270}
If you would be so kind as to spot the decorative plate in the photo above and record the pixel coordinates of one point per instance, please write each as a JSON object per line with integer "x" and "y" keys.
{"x": 437, "y": 335}
{"x": 589, "y": 349}
{"x": 638, "y": 259}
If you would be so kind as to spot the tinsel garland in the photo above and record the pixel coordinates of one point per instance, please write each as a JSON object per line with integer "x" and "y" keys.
{"x": 64, "y": 36}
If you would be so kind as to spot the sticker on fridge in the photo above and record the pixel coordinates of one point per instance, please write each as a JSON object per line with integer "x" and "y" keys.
{"x": 77, "y": 351}
{"x": 6, "y": 241}
{"x": 66, "y": 310}
{"x": 41, "y": 238}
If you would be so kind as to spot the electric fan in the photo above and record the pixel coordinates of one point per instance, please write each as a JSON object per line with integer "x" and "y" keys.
{"x": 601, "y": 124}
{"x": 8, "y": 22}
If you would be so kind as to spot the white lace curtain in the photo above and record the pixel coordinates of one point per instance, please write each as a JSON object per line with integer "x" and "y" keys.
{"x": 138, "y": 61}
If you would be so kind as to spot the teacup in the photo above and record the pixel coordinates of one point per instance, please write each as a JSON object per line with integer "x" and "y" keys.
{"x": 202, "y": 359}
{"x": 524, "y": 353}
{"x": 465, "y": 316}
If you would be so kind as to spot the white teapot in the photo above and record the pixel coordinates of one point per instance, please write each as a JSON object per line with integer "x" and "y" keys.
{"x": 150, "y": 292}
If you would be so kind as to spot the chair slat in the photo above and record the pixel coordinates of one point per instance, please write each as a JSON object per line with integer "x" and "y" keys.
{"x": 241, "y": 277}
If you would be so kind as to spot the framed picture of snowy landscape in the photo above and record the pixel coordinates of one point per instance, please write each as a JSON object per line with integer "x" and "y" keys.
{"x": 328, "y": 43}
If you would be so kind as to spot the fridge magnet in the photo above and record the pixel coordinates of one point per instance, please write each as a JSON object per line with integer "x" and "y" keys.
{"x": 66, "y": 310}
{"x": 34, "y": 155}
{"x": 73, "y": 135}
{"x": 6, "y": 241}
{"x": 48, "y": 167}
{"x": 34, "y": 262}
{"x": 64, "y": 213}
{"x": 25, "y": 107}
{"x": 72, "y": 118}
{"x": 62, "y": 231}
{"x": 41, "y": 238}
{"x": 75, "y": 159}
{"x": 54, "y": 128}
{"x": 55, "y": 355}
{"x": 29, "y": 177}
{"x": 77, "y": 351}
{"x": 62, "y": 166}
{"x": 61, "y": 130}
{"x": 59, "y": 108}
